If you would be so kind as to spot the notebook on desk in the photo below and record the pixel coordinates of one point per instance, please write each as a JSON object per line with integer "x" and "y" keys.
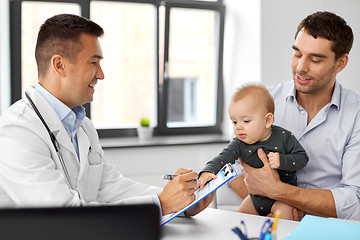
{"x": 90, "y": 223}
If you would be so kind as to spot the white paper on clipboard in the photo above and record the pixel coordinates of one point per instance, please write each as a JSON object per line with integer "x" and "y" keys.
{"x": 223, "y": 176}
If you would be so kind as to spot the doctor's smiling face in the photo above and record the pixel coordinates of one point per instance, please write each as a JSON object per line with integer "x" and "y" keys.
{"x": 68, "y": 55}
{"x": 82, "y": 74}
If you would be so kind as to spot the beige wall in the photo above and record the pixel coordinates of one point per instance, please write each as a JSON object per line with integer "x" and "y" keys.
{"x": 148, "y": 164}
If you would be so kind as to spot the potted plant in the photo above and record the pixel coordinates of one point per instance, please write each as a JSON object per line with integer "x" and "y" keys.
{"x": 145, "y": 131}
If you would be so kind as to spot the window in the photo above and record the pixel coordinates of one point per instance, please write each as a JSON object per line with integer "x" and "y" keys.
{"x": 191, "y": 80}
{"x": 129, "y": 90}
{"x": 162, "y": 60}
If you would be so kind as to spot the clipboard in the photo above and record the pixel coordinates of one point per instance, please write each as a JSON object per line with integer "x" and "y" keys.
{"x": 227, "y": 173}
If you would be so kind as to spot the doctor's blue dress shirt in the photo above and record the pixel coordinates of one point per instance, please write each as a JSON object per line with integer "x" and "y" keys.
{"x": 71, "y": 118}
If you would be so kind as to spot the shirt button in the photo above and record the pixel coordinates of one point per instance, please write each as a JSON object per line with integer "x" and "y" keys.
{"x": 302, "y": 112}
{"x": 71, "y": 116}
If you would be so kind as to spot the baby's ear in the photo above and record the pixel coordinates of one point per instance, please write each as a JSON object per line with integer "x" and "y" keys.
{"x": 269, "y": 119}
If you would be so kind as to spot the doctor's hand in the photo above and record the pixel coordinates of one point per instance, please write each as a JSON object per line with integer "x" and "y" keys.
{"x": 179, "y": 192}
{"x": 200, "y": 205}
{"x": 261, "y": 181}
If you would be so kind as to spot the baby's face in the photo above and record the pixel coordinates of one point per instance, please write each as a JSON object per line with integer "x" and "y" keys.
{"x": 249, "y": 120}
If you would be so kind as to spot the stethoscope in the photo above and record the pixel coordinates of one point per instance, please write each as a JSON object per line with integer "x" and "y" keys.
{"x": 53, "y": 140}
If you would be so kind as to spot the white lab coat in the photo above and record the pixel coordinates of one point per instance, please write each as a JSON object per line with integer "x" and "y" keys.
{"x": 31, "y": 174}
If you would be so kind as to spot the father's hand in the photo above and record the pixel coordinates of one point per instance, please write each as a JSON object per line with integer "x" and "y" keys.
{"x": 260, "y": 181}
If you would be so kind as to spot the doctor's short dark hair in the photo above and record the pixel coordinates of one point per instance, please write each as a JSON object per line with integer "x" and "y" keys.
{"x": 331, "y": 27}
{"x": 60, "y": 35}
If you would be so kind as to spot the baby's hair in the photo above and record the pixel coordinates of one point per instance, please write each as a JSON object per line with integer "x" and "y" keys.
{"x": 259, "y": 92}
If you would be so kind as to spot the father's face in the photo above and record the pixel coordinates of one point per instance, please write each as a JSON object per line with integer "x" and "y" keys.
{"x": 313, "y": 64}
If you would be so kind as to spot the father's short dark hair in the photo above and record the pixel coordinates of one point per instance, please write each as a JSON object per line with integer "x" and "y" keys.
{"x": 331, "y": 27}
{"x": 60, "y": 35}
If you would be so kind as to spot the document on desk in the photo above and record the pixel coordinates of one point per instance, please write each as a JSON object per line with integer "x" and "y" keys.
{"x": 223, "y": 176}
{"x": 313, "y": 227}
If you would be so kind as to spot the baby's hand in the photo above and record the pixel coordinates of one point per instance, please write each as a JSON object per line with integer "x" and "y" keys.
{"x": 274, "y": 159}
{"x": 204, "y": 178}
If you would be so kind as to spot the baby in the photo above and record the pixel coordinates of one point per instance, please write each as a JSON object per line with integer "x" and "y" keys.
{"x": 252, "y": 112}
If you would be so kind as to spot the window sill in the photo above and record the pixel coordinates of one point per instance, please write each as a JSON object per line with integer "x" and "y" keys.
{"x": 156, "y": 141}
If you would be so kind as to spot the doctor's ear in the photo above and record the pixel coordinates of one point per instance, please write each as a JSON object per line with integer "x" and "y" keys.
{"x": 58, "y": 65}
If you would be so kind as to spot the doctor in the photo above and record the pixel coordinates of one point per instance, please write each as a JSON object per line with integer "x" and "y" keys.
{"x": 50, "y": 152}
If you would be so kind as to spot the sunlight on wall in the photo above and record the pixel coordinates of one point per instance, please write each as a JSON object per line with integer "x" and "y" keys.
{"x": 4, "y": 56}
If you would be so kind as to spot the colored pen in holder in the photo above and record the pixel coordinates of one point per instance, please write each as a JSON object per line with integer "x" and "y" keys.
{"x": 268, "y": 230}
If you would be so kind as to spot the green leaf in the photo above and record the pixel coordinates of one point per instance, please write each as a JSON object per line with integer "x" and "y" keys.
{"x": 145, "y": 122}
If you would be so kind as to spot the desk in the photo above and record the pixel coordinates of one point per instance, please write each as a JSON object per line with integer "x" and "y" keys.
{"x": 214, "y": 224}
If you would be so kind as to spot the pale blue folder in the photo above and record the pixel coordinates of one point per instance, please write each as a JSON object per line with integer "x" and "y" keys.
{"x": 313, "y": 227}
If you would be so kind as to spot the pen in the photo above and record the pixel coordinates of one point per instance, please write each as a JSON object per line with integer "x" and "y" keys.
{"x": 277, "y": 215}
{"x": 238, "y": 232}
{"x": 245, "y": 229}
{"x": 268, "y": 236}
{"x": 169, "y": 176}
{"x": 265, "y": 229}
{"x": 172, "y": 176}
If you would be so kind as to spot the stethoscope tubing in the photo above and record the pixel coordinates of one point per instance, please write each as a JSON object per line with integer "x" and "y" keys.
{"x": 53, "y": 139}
